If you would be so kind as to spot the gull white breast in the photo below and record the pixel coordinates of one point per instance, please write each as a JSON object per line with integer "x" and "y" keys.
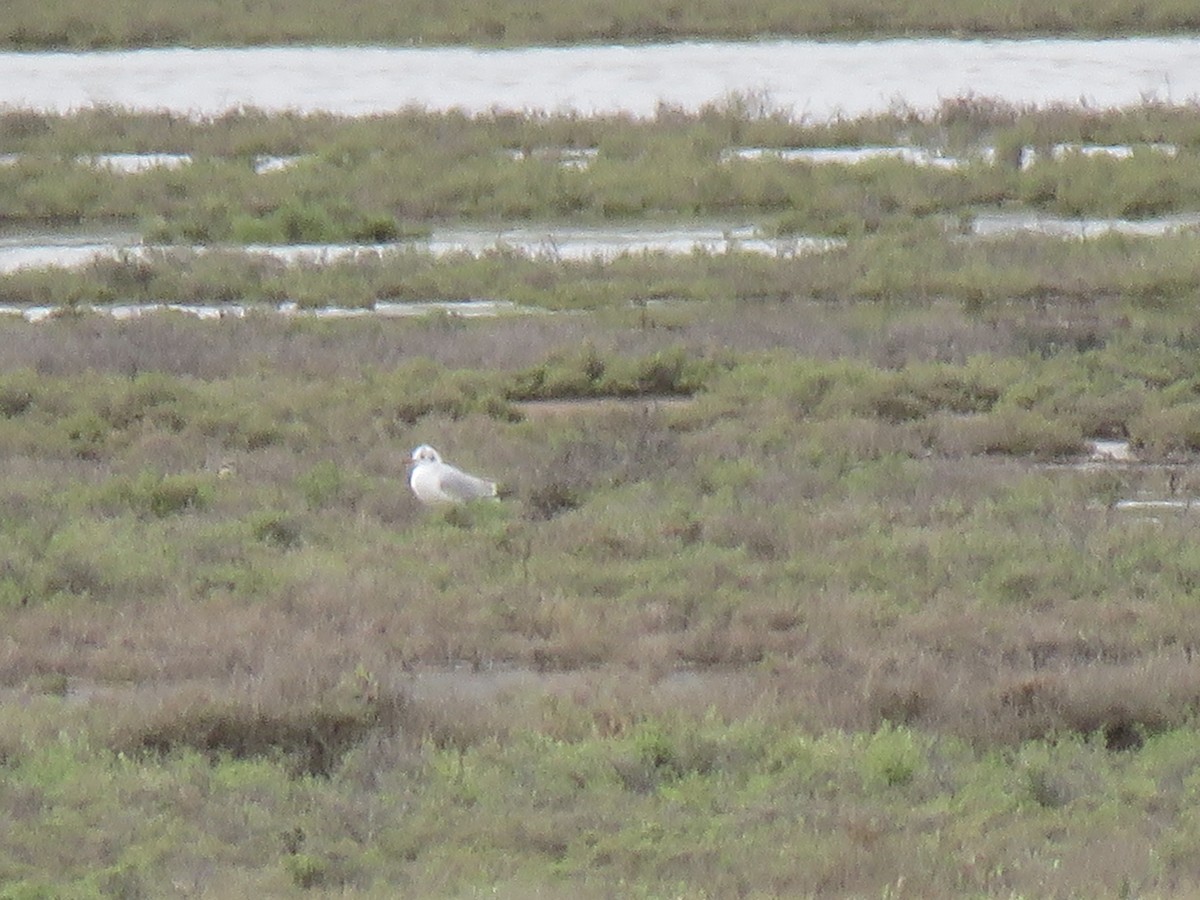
{"x": 437, "y": 483}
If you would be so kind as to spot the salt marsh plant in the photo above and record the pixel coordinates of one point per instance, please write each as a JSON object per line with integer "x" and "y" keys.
{"x": 1009, "y": 279}
{"x": 396, "y": 175}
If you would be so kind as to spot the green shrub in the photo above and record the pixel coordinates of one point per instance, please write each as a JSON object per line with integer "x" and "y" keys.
{"x": 578, "y": 375}
{"x": 1011, "y": 431}
{"x": 1167, "y": 431}
{"x": 322, "y": 484}
{"x": 99, "y": 559}
{"x": 306, "y": 870}
{"x": 278, "y": 528}
{"x": 246, "y": 229}
{"x": 15, "y": 398}
{"x": 380, "y": 229}
{"x": 179, "y": 493}
{"x": 892, "y": 757}
{"x": 87, "y": 435}
{"x": 149, "y": 397}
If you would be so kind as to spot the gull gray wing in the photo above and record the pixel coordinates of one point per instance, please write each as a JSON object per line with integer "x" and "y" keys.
{"x": 460, "y": 486}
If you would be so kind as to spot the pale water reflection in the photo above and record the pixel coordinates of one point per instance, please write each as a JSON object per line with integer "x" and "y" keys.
{"x": 24, "y": 250}
{"x": 851, "y": 156}
{"x": 465, "y": 309}
{"x": 936, "y": 158}
{"x": 817, "y": 80}
{"x": 136, "y": 162}
{"x": 609, "y": 242}
{"x": 1114, "y": 151}
{"x": 66, "y": 249}
{"x": 999, "y": 224}
{"x": 578, "y": 158}
{"x": 581, "y": 158}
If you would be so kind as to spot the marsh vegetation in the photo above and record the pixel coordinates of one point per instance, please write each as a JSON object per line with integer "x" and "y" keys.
{"x": 30, "y": 25}
{"x": 370, "y": 179}
{"x": 817, "y": 595}
{"x": 905, "y": 226}
{"x": 846, "y": 599}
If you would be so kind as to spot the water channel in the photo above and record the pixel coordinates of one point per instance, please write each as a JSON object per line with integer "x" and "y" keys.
{"x": 813, "y": 79}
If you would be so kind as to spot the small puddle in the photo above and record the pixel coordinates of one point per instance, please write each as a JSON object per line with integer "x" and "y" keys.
{"x": 1104, "y": 450}
{"x": 1105, "y": 454}
{"x": 1001, "y": 224}
{"x": 577, "y": 158}
{"x": 467, "y": 309}
{"x": 264, "y": 165}
{"x": 131, "y": 163}
{"x": 1102, "y": 453}
{"x": 848, "y": 156}
{"x": 67, "y": 256}
{"x": 1184, "y": 504}
{"x": 63, "y": 247}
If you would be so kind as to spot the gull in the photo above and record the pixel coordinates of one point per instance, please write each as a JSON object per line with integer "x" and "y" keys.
{"x": 437, "y": 483}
